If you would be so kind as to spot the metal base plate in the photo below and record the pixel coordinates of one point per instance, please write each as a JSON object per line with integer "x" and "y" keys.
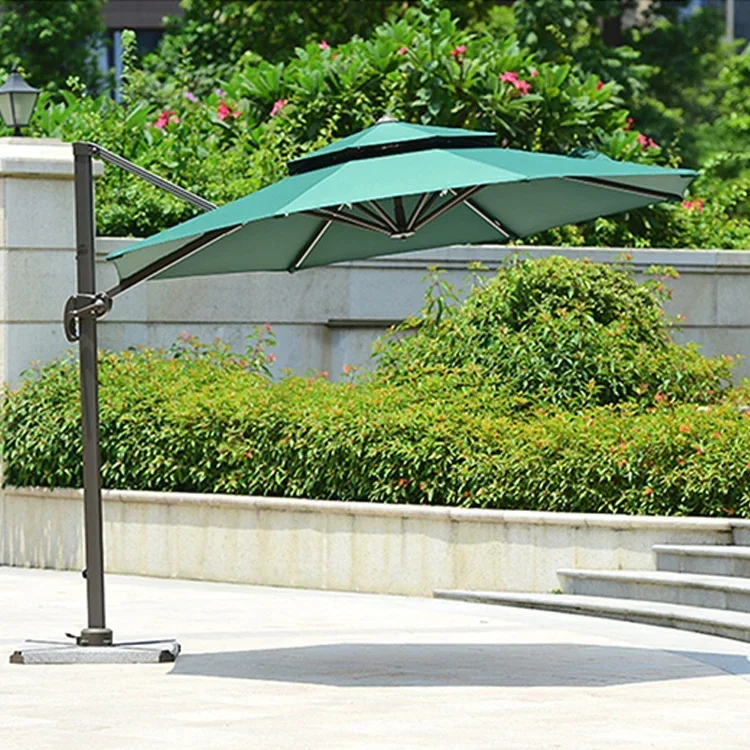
{"x": 61, "y": 652}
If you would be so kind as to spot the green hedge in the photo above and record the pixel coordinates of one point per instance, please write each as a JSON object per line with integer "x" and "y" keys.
{"x": 609, "y": 415}
{"x": 196, "y": 424}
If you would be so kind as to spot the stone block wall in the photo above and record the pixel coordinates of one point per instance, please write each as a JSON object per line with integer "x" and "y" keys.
{"x": 328, "y": 317}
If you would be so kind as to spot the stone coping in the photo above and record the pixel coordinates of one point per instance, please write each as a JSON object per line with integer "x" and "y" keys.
{"x": 42, "y": 158}
{"x": 416, "y": 512}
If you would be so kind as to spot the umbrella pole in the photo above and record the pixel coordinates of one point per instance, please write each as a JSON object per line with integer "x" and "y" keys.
{"x": 79, "y": 320}
{"x": 96, "y": 634}
{"x": 81, "y": 314}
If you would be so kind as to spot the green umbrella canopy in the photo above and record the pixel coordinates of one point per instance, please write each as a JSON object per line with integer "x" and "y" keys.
{"x": 397, "y": 187}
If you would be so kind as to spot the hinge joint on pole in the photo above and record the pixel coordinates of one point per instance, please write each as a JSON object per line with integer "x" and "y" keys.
{"x": 84, "y": 305}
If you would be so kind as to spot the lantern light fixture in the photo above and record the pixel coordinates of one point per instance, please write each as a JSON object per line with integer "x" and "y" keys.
{"x": 17, "y": 101}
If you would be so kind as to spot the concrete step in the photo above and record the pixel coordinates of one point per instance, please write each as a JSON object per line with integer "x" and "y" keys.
{"x": 716, "y": 592}
{"x": 698, "y": 619}
{"x": 706, "y": 559}
{"x": 741, "y": 532}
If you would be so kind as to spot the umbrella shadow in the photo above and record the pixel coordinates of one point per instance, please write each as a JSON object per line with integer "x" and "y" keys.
{"x": 459, "y": 664}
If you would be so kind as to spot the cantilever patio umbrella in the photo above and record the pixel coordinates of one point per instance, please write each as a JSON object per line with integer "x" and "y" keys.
{"x": 392, "y": 188}
{"x": 409, "y": 187}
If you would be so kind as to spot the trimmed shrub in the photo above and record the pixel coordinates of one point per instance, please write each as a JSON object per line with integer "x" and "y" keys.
{"x": 194, "y": 424}
{"x": 609, "y": 424}
{"x": 557, "y": 331}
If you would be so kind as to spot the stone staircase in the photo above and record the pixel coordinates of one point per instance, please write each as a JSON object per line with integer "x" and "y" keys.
{"x": 704, "y": 588}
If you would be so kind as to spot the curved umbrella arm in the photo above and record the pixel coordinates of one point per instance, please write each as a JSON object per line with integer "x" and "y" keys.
{"x": 95, "y": 150}
{"x": 99, "y": 304}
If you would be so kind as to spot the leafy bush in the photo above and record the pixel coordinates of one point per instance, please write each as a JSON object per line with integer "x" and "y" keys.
{"x": 209, "y": 425}
{"x": 558, "y": 331}
{"x": 200, "y": 418}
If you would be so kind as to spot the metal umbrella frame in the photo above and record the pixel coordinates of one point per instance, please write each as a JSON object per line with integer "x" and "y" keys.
{"x": 394, "y": 188}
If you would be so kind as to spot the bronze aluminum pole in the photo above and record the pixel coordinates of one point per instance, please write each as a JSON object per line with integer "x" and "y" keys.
{"x": 96, "y": 634}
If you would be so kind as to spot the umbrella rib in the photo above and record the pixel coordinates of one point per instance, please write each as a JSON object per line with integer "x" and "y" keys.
{"x": 386, "y": 220}
{"x": 323, "y": 213}
{"x": 323, "y": 227}
{"x": 398, "y": 211}
{"x": 167, "y": 261}
{"x": 656, "y": 194}
{"x": 447, "y": 206}
{"x": 425, "y": 201}
{"x": 494, "y": 223}
{"x": 384, "y": 215}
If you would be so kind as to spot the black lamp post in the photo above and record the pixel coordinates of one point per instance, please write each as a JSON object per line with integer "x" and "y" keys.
{"x": 17, "y": 100}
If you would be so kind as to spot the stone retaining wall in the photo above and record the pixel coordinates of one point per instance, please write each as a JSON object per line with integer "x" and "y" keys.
{"x": 316, "y": 544}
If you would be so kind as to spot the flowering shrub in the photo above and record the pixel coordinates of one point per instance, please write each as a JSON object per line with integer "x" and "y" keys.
{"x": 568, "y": 333}
{"x": 207, "y": 424}
{"x": 225, "y": 142}
{"x": 424, "y": 67}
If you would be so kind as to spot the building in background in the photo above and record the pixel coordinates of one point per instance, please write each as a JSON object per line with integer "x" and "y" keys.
{"x": 736, "y": 12}
{"x": 144, "y": 17}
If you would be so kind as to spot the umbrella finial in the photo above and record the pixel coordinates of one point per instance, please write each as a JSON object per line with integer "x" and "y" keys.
{"x": 386, "y": 118}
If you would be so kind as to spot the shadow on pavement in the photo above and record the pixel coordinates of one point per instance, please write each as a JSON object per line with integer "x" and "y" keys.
{"x": 444, "y": 665}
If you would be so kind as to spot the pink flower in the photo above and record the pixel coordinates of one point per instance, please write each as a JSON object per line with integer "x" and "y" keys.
{"x": 402, "y": 51}
{"x": 267, "y": 327}
{"x": 223, "y": 111}
{"x": 458, "y": 52}
{"x": 221, "y": 93}
{"x": 533, "y": 73}
{"x": 628, "y": 124}
{"x": 165, "y": 118}
{"x": 600, "y": 85}
{"x": 190, "y": 96}
{"x": 271, "y": 358}
{"x": 696, "y": 205}
{"x": 523, "y": 86}
{"x": 645, "y": 141}
{"x": 278, "y": 105}
{"x": 519, "y": 84}
{"x": 324, "y": 45}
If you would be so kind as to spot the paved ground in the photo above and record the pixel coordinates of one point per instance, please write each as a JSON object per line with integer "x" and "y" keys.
{"x": 282, "y": 668}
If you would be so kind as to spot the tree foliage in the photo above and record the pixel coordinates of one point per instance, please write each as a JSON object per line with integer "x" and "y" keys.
{"x": 213, "y": 35}
{"x": 538, "y": 73}
{"x": 51, "y": 40}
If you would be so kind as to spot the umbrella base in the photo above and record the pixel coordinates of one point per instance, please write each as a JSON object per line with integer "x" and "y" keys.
{"x": 61, "y": 652}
